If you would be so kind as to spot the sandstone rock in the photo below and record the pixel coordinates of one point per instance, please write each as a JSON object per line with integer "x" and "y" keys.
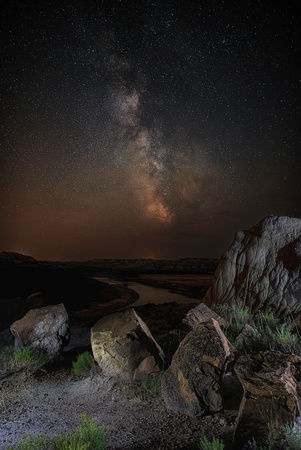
{"x": 45, "y": 329}
{"x": 271, "y": 393}
{"x": 147, "y": 366}
{"x": 120, "y": 342}
{"x": 202, "y": 313}
{"x": 192, "y": 384}
{"x": 262, "y": 268}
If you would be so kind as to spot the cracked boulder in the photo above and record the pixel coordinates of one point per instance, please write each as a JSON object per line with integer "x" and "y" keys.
{"x": 262, "y": 269}
{"x": 45, "y": 329}
{"x": 192, "y": 383}
{"x": 271, "y": 393}
{"x": 121, "y": 342}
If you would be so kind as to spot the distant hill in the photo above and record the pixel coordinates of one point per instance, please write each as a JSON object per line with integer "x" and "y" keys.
{"x": 136, "y": 266}
{"x": 122, "y": 266}
{"x": 14, "y": 256}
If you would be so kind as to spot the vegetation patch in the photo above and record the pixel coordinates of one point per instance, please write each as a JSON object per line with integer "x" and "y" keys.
{"x": 14, "y": 359}
{"x": 268, "y": 333}
{"x": 83, "y": 364}
{"x": 88, "y": 436}
{"x": 214, "y": 444}
{"x": 287, "y": 437}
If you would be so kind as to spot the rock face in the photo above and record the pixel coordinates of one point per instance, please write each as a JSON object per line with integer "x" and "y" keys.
{"x": 45, "y": 329}
{"x": 271, "y": 393}
{"x": 192, "y": 384}
{"x": 120, "y": 342}
{"x": 262, "y": 268}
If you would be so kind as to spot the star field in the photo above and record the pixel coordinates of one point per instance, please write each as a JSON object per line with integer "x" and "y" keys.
{"x": 146, "y": 129}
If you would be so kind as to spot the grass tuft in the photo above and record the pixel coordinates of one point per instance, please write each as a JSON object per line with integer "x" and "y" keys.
{"x": 214, "y": 444}
{"x": 83, "y": 364}
{"x": 13, "y": 359}
{"x": 88, "y": 436}
{"x": 268, "y": 333}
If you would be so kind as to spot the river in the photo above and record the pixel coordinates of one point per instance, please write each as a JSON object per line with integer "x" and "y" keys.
{"x": 149, "y": 294}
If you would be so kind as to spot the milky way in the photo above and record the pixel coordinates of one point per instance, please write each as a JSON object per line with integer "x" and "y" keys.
{"x": 146, "y": 129}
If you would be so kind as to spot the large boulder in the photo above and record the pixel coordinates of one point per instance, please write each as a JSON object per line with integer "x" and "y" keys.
{"x": 192, "y": 384}
{"x": 44, "y": 328}
{"x": 262, "y": 268}
{"x": 120, "y": 342}
{"x": 271, "y": 393}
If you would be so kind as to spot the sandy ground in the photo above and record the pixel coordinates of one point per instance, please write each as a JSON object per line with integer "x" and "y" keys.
{"x": 44, "y": 403}
{"x": 51, "y": 399}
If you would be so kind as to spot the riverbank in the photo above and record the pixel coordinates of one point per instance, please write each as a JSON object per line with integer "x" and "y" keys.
{"x": 188, "y": 285}
{"x": 160, "y": 308}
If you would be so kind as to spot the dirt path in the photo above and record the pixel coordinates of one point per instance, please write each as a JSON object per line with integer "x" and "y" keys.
{"x": 46, "y": 402}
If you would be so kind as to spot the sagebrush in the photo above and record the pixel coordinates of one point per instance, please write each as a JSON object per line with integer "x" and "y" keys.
{"x": 27, "y": 357}
{"x": 88, "y": 436}
{"x": 267, "y": 334}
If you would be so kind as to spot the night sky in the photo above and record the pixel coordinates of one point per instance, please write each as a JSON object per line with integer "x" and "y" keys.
{"x": 152, "y": 129}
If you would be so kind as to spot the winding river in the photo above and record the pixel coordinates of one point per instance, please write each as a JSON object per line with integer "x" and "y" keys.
{"x": 149, "y": 294}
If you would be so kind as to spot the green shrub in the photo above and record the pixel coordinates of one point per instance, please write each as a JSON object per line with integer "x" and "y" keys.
{"x": 287, "y": 437}
{"x": 215, "y": 444}
{"x": 31, "y": 443}
{"x": 26, "y": 357}
{"x": 88, "y": 436}
{"x": 30, "y": 358}
{"x": 268, "y": 320}
{"x": 83, "y": 364}
{"x": 270, "y": 335}
{"x": 285, "y": 336}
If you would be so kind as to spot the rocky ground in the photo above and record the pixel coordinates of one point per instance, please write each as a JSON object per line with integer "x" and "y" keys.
{"x": 47, "y": 402}
{"x": 51, "y": 399}
{"x": 43, "y": 402}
